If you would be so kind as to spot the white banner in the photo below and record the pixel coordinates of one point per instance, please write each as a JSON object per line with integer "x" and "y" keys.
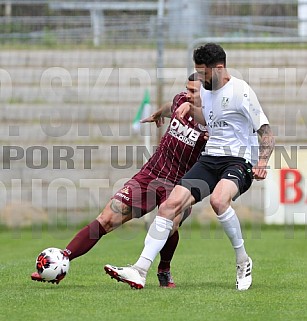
{"x": 285, "y": 186}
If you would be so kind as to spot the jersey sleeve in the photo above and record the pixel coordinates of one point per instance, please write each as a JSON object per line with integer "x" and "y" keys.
{"x": 178, "y": 100}
{"x": 252, "y": 107}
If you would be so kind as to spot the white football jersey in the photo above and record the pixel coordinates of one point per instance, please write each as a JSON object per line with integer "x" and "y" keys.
{"x": 233, "y": 115}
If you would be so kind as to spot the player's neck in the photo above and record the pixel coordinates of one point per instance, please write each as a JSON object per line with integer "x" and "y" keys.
{"x": 224, "y": 80}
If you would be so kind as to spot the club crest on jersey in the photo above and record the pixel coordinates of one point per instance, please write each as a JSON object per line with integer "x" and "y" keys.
{"x": 225, "y": 102}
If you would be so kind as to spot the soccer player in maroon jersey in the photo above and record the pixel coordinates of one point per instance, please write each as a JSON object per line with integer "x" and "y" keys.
{"x": 177, "y": 152}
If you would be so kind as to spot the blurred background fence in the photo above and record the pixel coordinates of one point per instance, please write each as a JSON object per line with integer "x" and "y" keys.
{"x": 73, "y": 74}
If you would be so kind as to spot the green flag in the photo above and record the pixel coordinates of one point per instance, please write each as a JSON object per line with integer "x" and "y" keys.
{"x": 143, "y": 111}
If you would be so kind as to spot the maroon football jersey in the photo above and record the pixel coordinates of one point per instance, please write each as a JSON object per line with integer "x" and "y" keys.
{"x": 179, "y": 148}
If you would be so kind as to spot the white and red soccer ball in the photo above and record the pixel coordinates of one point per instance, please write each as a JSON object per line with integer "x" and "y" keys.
{"x": 52, "y": 264}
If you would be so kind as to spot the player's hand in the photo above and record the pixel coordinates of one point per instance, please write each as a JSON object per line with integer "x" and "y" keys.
{"x": 155, "y": 117}
{"x": 182, "y": 110}
{"x": 260, "y": 171}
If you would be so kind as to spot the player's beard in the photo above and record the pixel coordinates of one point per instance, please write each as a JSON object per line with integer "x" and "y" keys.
{"x": 213, "y": 84}
{"x": 207, "y": 85}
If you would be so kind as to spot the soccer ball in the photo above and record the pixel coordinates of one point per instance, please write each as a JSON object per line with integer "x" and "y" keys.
{"x": 52, "y": 264}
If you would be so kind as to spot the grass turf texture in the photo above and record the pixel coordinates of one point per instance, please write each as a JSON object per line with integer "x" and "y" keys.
{"x": 203, "y": 268}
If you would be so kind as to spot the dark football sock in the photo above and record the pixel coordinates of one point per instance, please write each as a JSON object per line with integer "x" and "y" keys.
{"x": 167, "y": 252}
{"x": 84, "y": 240}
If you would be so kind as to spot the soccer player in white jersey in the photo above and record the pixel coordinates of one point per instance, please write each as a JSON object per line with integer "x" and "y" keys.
{"x": 225, "y": 169}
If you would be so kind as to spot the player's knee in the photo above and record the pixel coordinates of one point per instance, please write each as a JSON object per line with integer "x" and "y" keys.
{"x": 169, "y": 209}
{"x": 218, "y": 204}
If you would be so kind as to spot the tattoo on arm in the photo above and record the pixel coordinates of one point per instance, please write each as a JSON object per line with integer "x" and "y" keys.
{"x": 266, "y": 143}
{"x": 119, "y": 207}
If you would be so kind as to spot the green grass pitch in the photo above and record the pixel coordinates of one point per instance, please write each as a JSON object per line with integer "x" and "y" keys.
{"x": 203, "y": 269}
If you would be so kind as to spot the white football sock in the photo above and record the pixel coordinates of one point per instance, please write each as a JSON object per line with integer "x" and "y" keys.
{"x": 156, "y": 237}
{"x": 232, "y": 228}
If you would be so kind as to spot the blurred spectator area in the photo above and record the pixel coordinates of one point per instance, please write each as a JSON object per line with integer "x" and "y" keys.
{"x": 118, "y": 22}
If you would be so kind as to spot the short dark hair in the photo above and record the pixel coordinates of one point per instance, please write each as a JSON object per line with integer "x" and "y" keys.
{"x": 209, "y": 54}
{"x": 193, "y": 77}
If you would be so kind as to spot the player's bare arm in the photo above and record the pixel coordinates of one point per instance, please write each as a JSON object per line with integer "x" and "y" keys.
{"x": 194, "y": 111}
{"x": 158, "y": 116}
{"x": 266, "y": 146}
